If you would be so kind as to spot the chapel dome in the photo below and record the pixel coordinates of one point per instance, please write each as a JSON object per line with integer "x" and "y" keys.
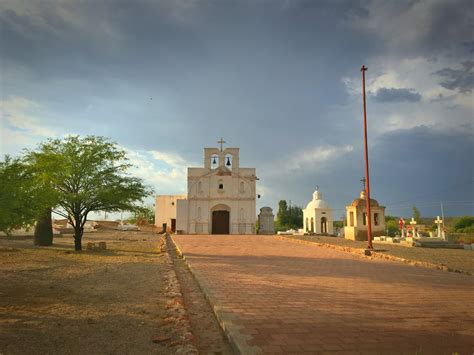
{"x": 317, "y": 202}
{"x": 361, "y": 201}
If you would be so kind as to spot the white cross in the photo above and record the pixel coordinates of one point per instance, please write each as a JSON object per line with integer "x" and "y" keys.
{"x": 413, "y": 222}
{"x": 438, "y": 221}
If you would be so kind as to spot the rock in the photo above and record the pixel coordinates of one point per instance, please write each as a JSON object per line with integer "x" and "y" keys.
{"x": 161, "y": 338}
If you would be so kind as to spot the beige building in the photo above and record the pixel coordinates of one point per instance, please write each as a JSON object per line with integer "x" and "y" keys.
{"x": 221, "y": 196}
{"x": 356, "y": 215}
{"x": 317, "y": 216}
{"x": 165, "y": 211}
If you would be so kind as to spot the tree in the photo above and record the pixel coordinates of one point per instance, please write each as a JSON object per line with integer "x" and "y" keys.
{"x": 21, "y": 198}
{"x": 143, "y": 215}
{"x": 288, "y": 217}
{"x": 295, "y": 217}
{"x": 43, "y": 235}
{"x": 87, "y": 174}
{"x": 282, "y": 214}
{"x": 416, "y": 214}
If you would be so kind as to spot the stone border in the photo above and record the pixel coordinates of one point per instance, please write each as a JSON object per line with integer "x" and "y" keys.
{"x": 175, "y": 311}
{"x": 374, "y": 254}
{"x": 225, "y": 318}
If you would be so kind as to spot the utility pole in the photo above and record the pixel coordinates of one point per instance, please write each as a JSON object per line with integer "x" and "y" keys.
{"x": 367, "y": 184}
{"x": 442, "y": 216}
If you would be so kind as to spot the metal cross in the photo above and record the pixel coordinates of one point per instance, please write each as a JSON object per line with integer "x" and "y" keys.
{"x": 221, "y": 142}
{"x": 363, "y": 183}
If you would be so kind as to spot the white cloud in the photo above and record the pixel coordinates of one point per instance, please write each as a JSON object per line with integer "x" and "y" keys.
{"x": 165, "y": 172}
{"x": 317, "y": 155}
{"x": 169, "y": 158}
{"x": 20, "y": 124}
{"x": 416, "y": 74}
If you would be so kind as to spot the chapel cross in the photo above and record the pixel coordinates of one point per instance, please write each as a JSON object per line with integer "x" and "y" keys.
{"x": 438, "y": 221}
{"x": 221, "y": 142}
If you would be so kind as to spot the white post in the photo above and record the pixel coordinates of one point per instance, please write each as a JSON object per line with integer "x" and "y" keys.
{"x": 439, "y": 221}
{"x": 413, "y": 227}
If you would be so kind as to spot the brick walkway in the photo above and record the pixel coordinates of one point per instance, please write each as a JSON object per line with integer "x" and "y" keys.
{"x": 276, "y": 296}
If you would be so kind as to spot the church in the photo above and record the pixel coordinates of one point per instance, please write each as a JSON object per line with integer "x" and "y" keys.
{"x": 221, "y": 196}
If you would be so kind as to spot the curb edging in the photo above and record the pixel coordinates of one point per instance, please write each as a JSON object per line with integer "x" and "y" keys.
{"x": 377, "y": 255}
{"x": 226, "y": 319}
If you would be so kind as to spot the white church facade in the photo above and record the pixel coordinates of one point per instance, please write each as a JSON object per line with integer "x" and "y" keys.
{"x": 221, "y": 197}
{"x": 317, "y": 216}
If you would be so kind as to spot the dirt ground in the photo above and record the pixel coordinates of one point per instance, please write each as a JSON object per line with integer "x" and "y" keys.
{"x": 454, "y": 258}
{"x": 57, "y": 301}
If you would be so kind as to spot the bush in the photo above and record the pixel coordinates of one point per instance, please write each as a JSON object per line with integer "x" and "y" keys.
{"x": 464, "y": 224}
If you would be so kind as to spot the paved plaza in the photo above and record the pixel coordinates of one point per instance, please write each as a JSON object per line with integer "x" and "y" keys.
{"x": 278, "y": 296}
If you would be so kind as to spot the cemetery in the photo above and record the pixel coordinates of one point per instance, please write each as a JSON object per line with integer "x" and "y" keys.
{"x": 128, "y": 227}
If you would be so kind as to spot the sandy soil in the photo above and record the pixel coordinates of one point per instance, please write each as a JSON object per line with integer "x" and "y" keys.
{"x": 57, "y": 301}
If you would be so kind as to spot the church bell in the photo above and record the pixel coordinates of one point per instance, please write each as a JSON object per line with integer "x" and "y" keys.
{"x": 228, "y": 161}
{"x": 214, "y": 162}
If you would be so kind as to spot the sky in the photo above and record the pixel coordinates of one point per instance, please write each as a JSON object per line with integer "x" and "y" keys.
{"x": 279, "y": 79}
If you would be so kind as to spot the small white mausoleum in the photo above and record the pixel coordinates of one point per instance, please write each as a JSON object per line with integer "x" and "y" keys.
{"x": 317, "y": 216}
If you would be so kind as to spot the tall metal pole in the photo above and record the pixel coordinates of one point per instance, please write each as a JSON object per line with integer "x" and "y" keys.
{"x": 442, "y": 216}
{"x": 367, "y": 184}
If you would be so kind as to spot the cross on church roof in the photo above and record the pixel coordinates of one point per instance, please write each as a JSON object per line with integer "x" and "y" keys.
{"x": 221, "y": 142}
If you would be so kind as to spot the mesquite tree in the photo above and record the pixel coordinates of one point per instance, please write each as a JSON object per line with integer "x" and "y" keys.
{"x": 87, "y": 174}
{"x": 22, "y": 198}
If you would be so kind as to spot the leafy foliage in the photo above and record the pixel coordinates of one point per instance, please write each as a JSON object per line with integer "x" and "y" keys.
{"x": 464, "y": 224}
{"x": 22, "y": 199}
{"x": 143, "y": 215}
{"x": 86, "y": 174}
{"x": 288, "y": 217}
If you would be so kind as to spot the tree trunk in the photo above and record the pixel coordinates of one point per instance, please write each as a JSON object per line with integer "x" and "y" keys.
{"x": 44, "y": 229}
{"x": 78, "y": 238}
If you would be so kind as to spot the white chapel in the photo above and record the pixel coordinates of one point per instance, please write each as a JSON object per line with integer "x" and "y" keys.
{"x": 221, "y": 196}
{"x": 317, "y": 216}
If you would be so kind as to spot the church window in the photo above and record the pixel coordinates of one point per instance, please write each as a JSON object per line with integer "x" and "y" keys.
{"x": 221, "y": 186}
{"x": 312, "y": 225}
{"x": 242, "y": 187}
{"x": 199, "y": 186}
{"x": 351, "y": 219}
{"x": 307, "y": 225}
{"x": 376, "y": 219}
{"x": 172, "y": 203}
{"x": 364, "y": 218}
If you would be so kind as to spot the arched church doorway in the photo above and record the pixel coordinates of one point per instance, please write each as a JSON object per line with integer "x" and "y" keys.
{"x": 324, "y": 225}
{"x": 220, "y": 222}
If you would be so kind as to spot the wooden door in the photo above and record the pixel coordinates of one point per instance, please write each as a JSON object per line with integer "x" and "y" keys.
{"x": 220, "y": 222}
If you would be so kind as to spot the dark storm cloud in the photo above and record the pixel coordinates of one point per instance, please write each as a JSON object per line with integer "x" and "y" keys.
{"x": 268, "y": 76}
{"x": 396, "y": 95}
{"x": 418, "y": 166}
{"x": 461, "y": 80}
